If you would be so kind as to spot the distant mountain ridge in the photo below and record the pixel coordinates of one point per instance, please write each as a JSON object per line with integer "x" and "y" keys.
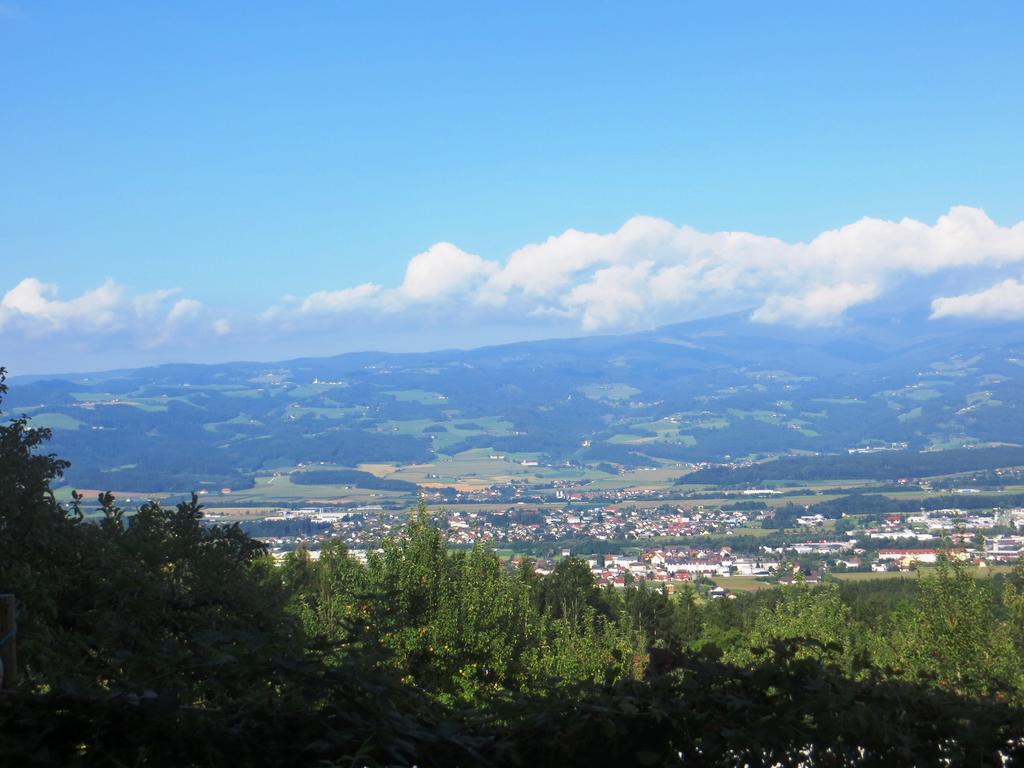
{"x": 705, "y": 390}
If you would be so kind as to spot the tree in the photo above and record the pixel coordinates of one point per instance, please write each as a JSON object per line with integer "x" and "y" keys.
{"x": 1013, "y": 602}
{"x": 666, "y": 622}
{"x": 157, "y": 600}
{"x": 568, "y": 590}
{"x": 805, "y": 613}
{"x": 37, "y": 539}
{"x": 952, "y": 636}
{"x": 330, "y": 595}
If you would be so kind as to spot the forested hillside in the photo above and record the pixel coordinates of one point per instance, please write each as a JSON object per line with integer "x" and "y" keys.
{"x": 155, "y": 638}
{"x": 705, "y": 391}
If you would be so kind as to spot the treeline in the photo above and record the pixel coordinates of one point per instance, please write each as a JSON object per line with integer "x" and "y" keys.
{"x": 877, "y": 504}
{"x": 293, "y": 526}
{"x": 874, "y": 505}
{"x": 156, "y": 639}
{"x": 745, "y": 506}
{"x": 354, "y": 477}
{"x": 141, "y": 480}
{"x": 462, "y": 627}
{"x": 459, "y": 626}
{"x": 884, "y": 465}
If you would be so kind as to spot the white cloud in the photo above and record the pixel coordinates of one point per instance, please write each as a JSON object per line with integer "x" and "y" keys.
{"x": 1003, "y": 300}
{"x": 823, "y": 305}
{"x": 699, "y": 273}
{"x": 32, "y": 305}
{"x": 148, "y": 303}
{"x": 964, "y": 237}
{"x": 616, "y": 296}
{"x": 33, "y": 309}
{"x": 545, "y": 269}
{"x": 329, "y": 302}
{"x": 184, "y": 310}
{"x": 647, "y": 272}
{"x": 442, "y": 270}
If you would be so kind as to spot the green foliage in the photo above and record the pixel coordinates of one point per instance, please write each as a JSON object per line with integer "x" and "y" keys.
{"x": 156, "y": 639}
{"x": 37, "y": 538}
{"x": 456, "y": 623}
{"x": 569, "y": 591}
{"x": 668, "y": 622}
{"x": 160, "y": 603}
{"x": 787, "y": 710}
{"x": 952, "y": 637}
{"x": 1013, "y": 602}
{"x": 328, "y": 596}
{"x": 815, "y": 615}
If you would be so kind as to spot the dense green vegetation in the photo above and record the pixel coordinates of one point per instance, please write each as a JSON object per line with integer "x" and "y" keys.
{"x": 877, "y": 504}
{"x": 349, "y": 477}
{"x": 157, "y": 639}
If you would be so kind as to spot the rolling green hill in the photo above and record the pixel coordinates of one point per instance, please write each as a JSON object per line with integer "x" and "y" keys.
{"x": 707, "y": 391}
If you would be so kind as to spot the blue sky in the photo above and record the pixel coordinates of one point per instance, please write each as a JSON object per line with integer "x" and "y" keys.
{"x": 206, "y": 170}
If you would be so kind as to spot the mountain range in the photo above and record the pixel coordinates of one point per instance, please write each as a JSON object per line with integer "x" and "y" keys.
{"x": 712, "y": 390}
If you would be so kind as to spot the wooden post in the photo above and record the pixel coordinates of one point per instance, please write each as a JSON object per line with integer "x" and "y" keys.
{"x": 8, "y": 641}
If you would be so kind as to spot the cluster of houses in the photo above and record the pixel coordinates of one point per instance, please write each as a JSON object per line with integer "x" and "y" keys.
{"x": 900, "y": 542}
{"x": 673, "y": 565}
{"x": 558, "y": 491}
{"x": 603, "y": 523}
{"x": 365, "y": 525}
{"x": 668, "y": 566}
{"x": 943, "y": 523}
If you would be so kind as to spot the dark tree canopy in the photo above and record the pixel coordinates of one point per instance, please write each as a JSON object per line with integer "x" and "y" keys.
{"x": 150, "y": 637}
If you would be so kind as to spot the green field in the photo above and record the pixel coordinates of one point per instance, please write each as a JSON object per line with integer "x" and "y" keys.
{"x": 444, "y": 432}
{"x": 56, "y": 421}
{"x": 269, "y": 489}
{"x": 742, "y": 583}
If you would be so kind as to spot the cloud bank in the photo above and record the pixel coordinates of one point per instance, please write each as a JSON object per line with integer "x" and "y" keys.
{"x": 1004, "y": 300}
{"x": 648, "y": 272}
{"x": 33, "y": 310}
{"x": 651, "y": 270}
